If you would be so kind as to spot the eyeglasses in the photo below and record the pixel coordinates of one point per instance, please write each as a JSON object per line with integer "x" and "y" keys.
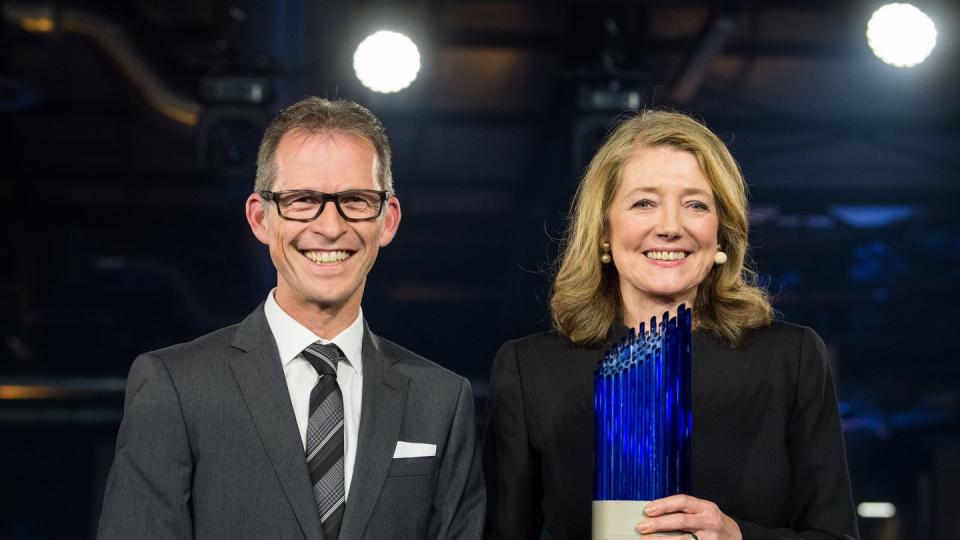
{"x": 305, "y": 205}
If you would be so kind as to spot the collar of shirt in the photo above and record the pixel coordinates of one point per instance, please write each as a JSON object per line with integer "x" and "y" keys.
{"x": 292, "y": 337}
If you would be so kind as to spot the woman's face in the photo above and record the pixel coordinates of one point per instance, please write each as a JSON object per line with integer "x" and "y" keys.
{"x": 663, "y": 227}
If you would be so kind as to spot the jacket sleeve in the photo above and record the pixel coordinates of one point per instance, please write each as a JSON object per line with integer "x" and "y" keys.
{"x": 149, "y": 485}
{"x": 820, "y": 498}
{"x": 514, "y": 484}
{"x": 460, "y": 499}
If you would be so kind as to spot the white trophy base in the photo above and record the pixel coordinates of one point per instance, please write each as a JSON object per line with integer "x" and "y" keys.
{"x": 617, "y": 520}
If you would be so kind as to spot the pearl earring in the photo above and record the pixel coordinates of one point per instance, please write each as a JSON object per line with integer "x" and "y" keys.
{"x": 605, "y": 257}
{"x": 720, "y": 257}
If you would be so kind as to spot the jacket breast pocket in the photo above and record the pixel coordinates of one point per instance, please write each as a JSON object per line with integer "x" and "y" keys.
{"x": 419, "y": 466}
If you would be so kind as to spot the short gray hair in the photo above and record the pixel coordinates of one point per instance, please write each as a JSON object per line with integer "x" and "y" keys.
{"x": 319, "y": 115}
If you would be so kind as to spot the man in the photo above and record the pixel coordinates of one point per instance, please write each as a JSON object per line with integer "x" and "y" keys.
{"x": 300, "y": 422}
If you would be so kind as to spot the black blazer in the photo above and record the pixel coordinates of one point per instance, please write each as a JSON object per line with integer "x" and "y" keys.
{"x": 767, "y": 443}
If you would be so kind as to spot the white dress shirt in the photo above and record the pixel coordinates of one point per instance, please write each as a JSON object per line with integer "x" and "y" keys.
{"x": 292, "y": 338}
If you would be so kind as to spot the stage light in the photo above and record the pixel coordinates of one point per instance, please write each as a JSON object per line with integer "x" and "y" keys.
{"x": 876, "y": 510}
{"x": 37, "y": 24}
{"x": 386, "y": 62}
{"x": 901, "y": 35}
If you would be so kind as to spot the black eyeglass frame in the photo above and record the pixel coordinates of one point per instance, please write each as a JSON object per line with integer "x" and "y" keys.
{"x": 324, "y": 198}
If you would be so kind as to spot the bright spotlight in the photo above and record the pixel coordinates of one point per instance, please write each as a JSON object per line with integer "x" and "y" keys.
{"x": 882, "y": 510}
{"x": 386, "y": 62}
{"x": 901, "y": 35}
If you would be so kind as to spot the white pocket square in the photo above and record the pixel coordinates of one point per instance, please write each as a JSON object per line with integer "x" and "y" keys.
{"x": 414, "y": 449}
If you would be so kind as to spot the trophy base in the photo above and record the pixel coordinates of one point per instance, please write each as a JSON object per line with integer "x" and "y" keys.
{"x": 617, "y": 520}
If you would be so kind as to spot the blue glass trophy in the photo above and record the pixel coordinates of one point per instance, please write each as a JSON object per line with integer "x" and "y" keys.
{"x": 642, "y": 424}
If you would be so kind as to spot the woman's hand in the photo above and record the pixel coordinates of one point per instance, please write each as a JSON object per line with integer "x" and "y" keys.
{"x": 685, "y": 513}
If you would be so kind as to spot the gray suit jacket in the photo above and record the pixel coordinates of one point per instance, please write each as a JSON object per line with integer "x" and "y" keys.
{"x": 209, "y": 447}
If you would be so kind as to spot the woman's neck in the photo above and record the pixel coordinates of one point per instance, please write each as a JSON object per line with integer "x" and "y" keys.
{"x": 640, "y": 310}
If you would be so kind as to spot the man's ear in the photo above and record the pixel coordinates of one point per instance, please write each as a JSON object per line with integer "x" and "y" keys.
{"x": 256, "y": 210}
{"x": 391, "y": 221}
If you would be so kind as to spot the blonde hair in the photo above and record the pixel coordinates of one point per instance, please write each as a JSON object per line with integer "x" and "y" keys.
{"x": 585, "y": 301}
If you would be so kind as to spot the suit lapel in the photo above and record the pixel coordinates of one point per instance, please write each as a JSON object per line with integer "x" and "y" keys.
{"x": 381, "y": 414}
{"x": 260, "y": 375}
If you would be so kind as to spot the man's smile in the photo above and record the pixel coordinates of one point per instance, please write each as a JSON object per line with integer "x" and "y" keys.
{"x": 327, "y": 257}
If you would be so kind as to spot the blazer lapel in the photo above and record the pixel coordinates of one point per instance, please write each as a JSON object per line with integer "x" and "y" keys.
{"x": 381, "y": 414}
{"x": 260, "y": 376}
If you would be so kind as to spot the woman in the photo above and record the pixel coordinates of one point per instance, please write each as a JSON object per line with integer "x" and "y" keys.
{"x": 659, "y": 220}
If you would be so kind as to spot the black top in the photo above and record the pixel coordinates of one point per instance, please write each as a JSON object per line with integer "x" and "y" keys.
{"x": 767, "y": 444}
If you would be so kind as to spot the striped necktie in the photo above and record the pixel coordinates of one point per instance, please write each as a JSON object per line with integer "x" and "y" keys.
{"x": 325, "y": 437}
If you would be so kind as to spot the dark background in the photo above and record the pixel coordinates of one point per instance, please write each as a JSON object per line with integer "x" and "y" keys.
{"x": 123, "y": 226}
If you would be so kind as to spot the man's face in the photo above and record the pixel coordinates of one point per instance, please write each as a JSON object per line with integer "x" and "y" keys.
{"x": 323, "y": 263}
